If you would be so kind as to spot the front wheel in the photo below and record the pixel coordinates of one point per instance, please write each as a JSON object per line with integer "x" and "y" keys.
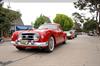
{"x": 51, "y": 44}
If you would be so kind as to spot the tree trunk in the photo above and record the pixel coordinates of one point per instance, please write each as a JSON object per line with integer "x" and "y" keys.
{"x": 99, "y": 23}
{"x": 97, "y": 28}
{"x": 0, "y": 33}
{"x": 97, "y": 17}
{"x": 99, "y": 31}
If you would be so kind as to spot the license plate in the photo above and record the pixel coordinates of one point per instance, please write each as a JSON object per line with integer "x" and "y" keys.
{"x": 24, "y": 41}
{"x": 27, "y": 42}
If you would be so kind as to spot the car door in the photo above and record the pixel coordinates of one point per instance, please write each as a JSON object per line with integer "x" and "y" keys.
{"x": 60, "y": 34}
{"x": 57, "y": 36}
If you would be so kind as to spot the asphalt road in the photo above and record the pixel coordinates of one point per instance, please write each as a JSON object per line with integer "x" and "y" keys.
{"x": 81, "y": 51}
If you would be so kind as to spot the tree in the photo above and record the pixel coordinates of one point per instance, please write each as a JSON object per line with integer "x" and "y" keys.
{"x": 32, "y": 23}
{"x": 78, "y": 17}
{"x": 89, "y": 25}
{"x": 1, "y": 3}
{"x": 79, "y": 20}
{"x": 65, "y": 21}
{"x": 6, "y": 18}
{"x": 77, "y": 27}
{"x": 91, "y": 6}
{"x": 41, "y": 20}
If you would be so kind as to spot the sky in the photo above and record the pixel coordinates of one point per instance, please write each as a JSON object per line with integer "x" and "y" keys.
{"x": 32, "y": 10}
{"x": 40, "y": 0}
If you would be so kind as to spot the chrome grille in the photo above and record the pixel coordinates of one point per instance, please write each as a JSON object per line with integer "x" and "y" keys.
{"x": 27, "y": 36}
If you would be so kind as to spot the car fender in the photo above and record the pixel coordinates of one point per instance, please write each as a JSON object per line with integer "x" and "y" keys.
{"x": 14, "y": 36}
{"x": 44, "y": 36}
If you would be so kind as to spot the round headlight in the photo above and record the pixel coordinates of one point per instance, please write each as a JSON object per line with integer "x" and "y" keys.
{"x": 36, "y": 37}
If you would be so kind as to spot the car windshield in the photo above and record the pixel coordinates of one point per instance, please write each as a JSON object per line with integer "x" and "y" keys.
{"x": 48, "y": 26}
{"x": 68, "y": 32}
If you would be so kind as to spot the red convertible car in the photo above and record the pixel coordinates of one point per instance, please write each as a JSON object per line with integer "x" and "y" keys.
{"x": 46, "y": 36}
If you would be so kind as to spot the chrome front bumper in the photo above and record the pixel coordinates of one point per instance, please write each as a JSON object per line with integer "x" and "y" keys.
{"x": 30, "y": 44}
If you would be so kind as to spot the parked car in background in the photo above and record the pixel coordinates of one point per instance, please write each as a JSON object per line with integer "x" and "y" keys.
{"x": 1, "y": 40}
{"x": 90, "y": 33}
{"x": 46, "y": 36}
{"x": 75, "y": 34}
{"x": 70, "y": 34}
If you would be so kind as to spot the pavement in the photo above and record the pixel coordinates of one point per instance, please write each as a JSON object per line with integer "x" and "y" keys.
{"x": 81, "y": 51}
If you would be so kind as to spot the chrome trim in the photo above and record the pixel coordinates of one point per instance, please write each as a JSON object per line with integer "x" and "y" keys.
{"x": 13, "y": 42}
{"x": 31, "y": 44}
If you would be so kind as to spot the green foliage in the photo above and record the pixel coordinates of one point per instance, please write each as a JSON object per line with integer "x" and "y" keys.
{"x": 32, "y": 23}
{"x": 89, "y": 25}
{"x": 9, "y": 14}
{"x": 78, "y": 17}
{"x": 1, "y": 3}
{"x": 41, "y": 20}
{"x": 77, "y": 26}
{"x": 90, "y": 5}
{"x": 65, "y": 21}
{"x": 6, "y": 18}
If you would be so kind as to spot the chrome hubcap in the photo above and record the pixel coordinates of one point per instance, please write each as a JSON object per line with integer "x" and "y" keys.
{"x": 51, "y": 44}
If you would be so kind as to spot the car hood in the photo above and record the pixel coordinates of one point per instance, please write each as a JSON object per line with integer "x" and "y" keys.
{"x": 35, "y": 31}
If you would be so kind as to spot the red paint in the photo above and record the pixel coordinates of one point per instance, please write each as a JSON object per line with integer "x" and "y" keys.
{"x": 29, "y": 46}
{"x": 45, "y": 34}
